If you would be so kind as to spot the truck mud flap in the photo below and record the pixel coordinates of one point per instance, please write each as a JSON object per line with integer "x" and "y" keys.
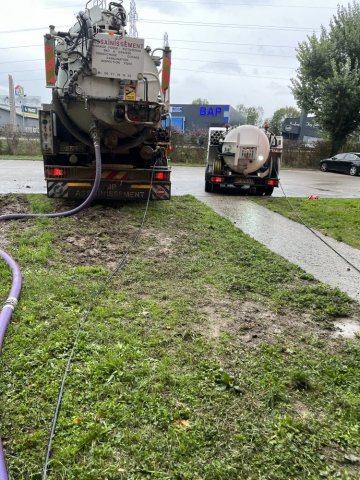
{"x": 107, "y": 191}
{"x": 57, "y": 190}
{"x": 161, "y": 192}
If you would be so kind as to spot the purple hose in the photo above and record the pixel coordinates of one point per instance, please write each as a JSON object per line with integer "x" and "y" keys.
{"x": 5, "y": 317}
{"x": 10, "y": 303}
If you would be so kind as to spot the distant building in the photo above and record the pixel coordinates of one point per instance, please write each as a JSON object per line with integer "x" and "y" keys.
{"x": 189, "y": 117}
{"x": 27, "y": 111}
{"x": 302, "y": 128}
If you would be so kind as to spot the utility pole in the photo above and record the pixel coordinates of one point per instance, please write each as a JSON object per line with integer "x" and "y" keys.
{"x": 12, "y": 104}
{"x": 166, "y": 40}
{"x": 133, "y": 16}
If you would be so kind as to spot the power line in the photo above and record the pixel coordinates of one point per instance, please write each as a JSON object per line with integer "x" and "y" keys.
{"x": 236, "y": 53}
{"x": 178, "y": 58}
{"x": 235, "y": 4}
{"x": 184, "y": 70}
{"x": 187, "y": 41}
{"x": 227, "y": 25}
{"x": 231, "y": 74}
{"x": 21, "y": 71}
{"x": 186, "y": 23}
{"x": 148, "y": 3}
{"x": 228, "y": 43}
{"x": 22, "y": 46}
{"x": 21, "y": 61}
{"x": 240, "y": 64}
{"x": 198, "y": 60}
{"x": 30, "y": 29}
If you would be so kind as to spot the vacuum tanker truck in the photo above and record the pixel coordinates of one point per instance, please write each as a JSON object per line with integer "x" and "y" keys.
{"x": 111, "y": 90}
{"x": 243, "y": 158}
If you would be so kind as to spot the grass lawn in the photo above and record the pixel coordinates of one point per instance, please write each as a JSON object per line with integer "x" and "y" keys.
{"x": 338, "y": 218}
{"x": 207, "y": 357}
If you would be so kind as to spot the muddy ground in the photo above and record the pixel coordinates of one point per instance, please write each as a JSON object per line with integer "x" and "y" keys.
{"x": 101, "y": 236}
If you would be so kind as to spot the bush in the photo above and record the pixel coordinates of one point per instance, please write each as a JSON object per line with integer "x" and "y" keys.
{"x": 299, "y": 155}
{"x": 189, "y": 148}
{"x": 15, "y": 142}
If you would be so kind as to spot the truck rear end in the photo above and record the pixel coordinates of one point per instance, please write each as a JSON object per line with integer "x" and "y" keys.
{"x": 238, "y": 164}
{"x": 69, "y": 166}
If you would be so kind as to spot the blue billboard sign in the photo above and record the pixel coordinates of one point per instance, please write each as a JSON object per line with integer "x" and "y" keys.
{"x": 210, "y": 111}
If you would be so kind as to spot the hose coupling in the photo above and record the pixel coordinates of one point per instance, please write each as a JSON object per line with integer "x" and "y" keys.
{"x": 94, "y": 133}
{"x": 10, "y": 302}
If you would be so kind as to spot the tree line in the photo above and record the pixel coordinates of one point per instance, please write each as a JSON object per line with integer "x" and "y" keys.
{"x": 327, "y": 81}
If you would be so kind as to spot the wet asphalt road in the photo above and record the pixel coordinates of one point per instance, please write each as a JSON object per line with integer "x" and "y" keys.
{"x": 294, "y": 242}
{"x": 26, "y": 176}
{"x": 285, "y": 237}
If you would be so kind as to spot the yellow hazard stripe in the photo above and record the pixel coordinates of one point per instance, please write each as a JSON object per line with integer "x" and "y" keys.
{"x": 79, "y": 184}
{"x": 140, "y": 186}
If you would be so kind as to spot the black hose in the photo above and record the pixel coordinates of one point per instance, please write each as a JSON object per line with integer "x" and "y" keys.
{"x": 133, "y": 142}
{"x": 83, "y": 138}
{"x": 90, "y": 36}
{"x": 146, "y": 85}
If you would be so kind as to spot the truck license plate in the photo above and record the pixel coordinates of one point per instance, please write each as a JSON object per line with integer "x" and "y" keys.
{"x": 244, "y": 181}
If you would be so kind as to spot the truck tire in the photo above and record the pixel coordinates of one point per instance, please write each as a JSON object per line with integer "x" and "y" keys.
{"x": 264, "y": 191}
{"x": 269, "y": 191}
{"x": 208, "y": 187}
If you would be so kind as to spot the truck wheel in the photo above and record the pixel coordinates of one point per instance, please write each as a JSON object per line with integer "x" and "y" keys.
{"x": 208, "y": 187}
{"x": 269, "y": 191}
{"x": 259, "y": 191}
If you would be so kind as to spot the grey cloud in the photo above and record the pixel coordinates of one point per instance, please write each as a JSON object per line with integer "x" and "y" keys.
{"x": 233, "y": 3}
{"x": 278, "y": 88}
{"x": 221, "y": 66}
{"x": 167, "y": 8}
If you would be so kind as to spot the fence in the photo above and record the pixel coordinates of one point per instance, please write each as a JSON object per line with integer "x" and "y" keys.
{"x": 186, "y": 150}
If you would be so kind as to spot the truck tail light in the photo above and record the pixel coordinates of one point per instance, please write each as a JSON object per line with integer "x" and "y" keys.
{"x": 161, "y": 176}
{"x": 216, "y": 179}
{"x": 55, "y": 172}
{"x": 273, "y": 182}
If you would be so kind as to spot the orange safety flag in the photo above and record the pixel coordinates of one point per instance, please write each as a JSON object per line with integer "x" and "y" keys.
{"x": 166, "y": 67}
{"x": 50, "y": 61}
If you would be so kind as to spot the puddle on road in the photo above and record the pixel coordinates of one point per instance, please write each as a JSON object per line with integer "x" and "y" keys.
{"x": 347, "y": 328}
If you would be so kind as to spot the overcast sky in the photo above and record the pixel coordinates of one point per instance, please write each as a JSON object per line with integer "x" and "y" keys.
{"x": 227, "y": 51}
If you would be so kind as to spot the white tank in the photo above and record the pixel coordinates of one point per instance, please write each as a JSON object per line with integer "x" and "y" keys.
{"x": 245, "y": 149}
{"x": 104, "y": 75}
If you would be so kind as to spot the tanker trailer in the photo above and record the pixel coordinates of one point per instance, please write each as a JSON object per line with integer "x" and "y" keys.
{"x": 244, "y": 159}
{"x": 105, "y": 81}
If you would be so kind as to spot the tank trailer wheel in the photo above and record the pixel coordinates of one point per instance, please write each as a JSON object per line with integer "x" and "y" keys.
{"x": 217, "y": 167}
